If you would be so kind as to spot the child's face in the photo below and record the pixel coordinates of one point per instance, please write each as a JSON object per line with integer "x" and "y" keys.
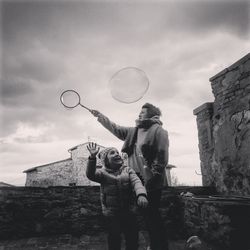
{"x": 114, "y": 159}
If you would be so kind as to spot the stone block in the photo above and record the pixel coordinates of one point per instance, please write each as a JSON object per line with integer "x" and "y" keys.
{"x": 230, "y": 78}
{"x": 246, "y": 66}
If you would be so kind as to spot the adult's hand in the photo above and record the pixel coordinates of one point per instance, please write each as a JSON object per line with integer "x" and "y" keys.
{"x": 95, "y": 113}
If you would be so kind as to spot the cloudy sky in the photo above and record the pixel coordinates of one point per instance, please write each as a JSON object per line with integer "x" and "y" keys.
{"x": 48, "y": 47}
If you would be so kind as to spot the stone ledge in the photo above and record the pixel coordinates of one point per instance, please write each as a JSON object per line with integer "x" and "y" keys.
{"x": 230, "y": 68}
{"x": 84, "y": 242}
{"x": 205, "y": 106}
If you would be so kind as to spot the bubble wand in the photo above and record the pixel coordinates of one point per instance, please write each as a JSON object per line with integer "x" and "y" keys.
{"x": 71, "y": 99}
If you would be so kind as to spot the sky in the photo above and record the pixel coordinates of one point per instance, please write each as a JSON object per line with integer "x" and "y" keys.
{"x": 51, "y": 46}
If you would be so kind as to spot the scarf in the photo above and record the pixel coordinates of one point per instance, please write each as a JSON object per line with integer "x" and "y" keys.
{"x": 132, "y": 136}
{"x": 147, "y": 123}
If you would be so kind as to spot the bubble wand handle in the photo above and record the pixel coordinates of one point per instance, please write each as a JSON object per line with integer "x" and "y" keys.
{"x": 90, "y": 110}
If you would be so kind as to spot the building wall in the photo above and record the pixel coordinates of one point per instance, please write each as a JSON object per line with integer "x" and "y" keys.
{"x": 80, "y": 157}
{"x": 224, "y": 131}
{"x": 63, "y": 173}
{"x": 54, "y": 174}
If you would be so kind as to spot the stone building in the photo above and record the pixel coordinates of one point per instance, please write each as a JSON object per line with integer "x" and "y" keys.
{"x": 4, "y": 184}
{"x": 224, "y": 131}
{"x": 68, "y": 172}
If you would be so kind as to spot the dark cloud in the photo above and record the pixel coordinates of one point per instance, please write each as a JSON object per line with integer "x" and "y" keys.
{"x": 36, "y": 68}
{"x": 206, "y": 16}
{"x": 34, "y": 63}
{"x": 13, "y": 88}
{"x": 20, "y": 94}
{"x": 134, "y": 22}
{"x": 13, "y": 116}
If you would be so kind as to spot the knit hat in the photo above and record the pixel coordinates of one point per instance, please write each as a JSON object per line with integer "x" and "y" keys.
{"x": 103, "y": 154}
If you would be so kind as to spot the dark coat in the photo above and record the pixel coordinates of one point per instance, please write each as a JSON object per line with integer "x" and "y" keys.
{"x": 154, "y": 149}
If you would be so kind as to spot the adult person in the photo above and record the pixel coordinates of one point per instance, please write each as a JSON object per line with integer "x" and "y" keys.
{"x": 146, "y": 145}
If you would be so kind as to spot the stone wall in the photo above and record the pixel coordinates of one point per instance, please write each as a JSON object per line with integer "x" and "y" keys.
{"x": 206, "y": 147}
{"x": 31, "y": 211}
{"x": 224, "y": 131}
{"x": 222, "y": 221}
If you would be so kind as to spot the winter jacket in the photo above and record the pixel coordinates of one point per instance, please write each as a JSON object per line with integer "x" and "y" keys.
{"x": 154, "y": 150}
{"x": 117, "y": 187}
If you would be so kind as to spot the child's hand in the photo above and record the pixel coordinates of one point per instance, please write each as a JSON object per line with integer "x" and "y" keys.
{"x": 142, "y": 201}
{"x": 93, "y": 149}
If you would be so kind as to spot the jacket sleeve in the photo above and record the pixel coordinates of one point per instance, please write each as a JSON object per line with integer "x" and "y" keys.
{"x": 161, "y": 159}
{"x": 136, "y": 183}
{"x": 92, "y": 173}
{"x": 119, "y": 131}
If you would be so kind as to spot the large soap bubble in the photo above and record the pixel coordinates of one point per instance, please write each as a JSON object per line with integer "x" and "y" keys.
{"x": 128, "y": 85}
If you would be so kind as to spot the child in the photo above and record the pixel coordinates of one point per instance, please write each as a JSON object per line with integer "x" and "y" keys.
{"x": 117, "y": 183}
